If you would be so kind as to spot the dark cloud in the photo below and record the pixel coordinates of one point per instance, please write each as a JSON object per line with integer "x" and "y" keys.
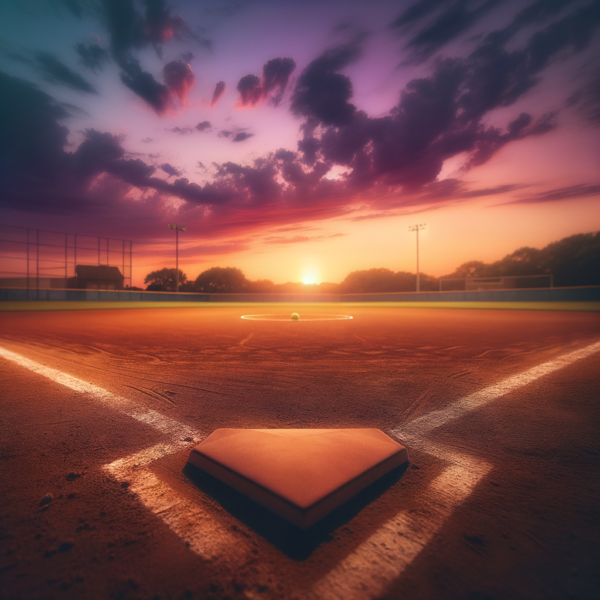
{"x": 438, "y": 116}
{"x": 187, "y": 57}
{"x": 31, "y": 135}
{"x": 449, "y": 19}
{"x": 130, "y": 29}
{"x": 555, "y": 195}
{"x": 490, "y": 139}
{"x": 587, "y": 99}
{"x": 181, "y": 130}
{"x": 179, "y": 79}
{"x": 92, "y": 56}
{"x": 452, "y": 22}
{"x": 55, "y": 71}
{"x": 37, "y": 173}
{"x": 219, "y": 89}
{"x": 147, "y": 140}
{"x": 309, "y": 145}
{"x": 250, "y": 90}
{"x": 391, "y": 162}
{"x": 102, "y": 152}
{"x": 455, "y": 189}
{"x": 497, "y": 77}
{"x": 160, "y": 25}
{"x": 434, "y": 195}
{"x": 241, "y": 136}
{"x": 125, "y": 27}
{"x": 170, "y": 170}
{"x": 275, "y": 77}
{"x": 499, "y": 189}
{"x": 322, "y": 92}
{"x": 238, "y": 135}
{"x": 417, "y": 11}
{"x": 535, "y": 13}
{"x": 203, "y": 126}
{"x": 276, "y": 74}
{"x": 145, "y": 86}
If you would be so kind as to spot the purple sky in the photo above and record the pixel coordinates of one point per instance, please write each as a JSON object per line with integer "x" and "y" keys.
{"x": 299, "y": 140}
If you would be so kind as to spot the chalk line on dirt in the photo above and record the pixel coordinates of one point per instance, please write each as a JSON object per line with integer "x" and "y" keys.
{"x": 188, "y": 521}
{"x": 421, "y": 425}
{"x": 127, "y": 407}
{"x": 368, "y": 571}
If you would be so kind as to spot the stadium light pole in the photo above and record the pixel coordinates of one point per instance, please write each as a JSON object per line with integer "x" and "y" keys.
{"x": 417, "y": 228}
{"x": 177, "y": 229}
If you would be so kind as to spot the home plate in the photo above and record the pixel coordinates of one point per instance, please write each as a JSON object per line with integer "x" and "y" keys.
{"x": 299, "y": 474}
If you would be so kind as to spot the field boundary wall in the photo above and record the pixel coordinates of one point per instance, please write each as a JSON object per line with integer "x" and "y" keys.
{"x": 579, "y": 294}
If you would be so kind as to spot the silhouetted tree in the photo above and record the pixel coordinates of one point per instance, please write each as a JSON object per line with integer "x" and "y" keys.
{"x": 164, "y": 280}
{"x": 261, "y": 286}
{"x": 574, "y": 260}
{"x": 222, "y": 280}
{"x": 384, "y": 280}
{"x": 473, "y": 268}
{"x": 188, "y": 286}
{"x": 371, "y": 280}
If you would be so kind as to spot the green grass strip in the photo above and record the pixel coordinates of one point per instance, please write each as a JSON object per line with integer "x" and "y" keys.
{"x": 45, "y": 305}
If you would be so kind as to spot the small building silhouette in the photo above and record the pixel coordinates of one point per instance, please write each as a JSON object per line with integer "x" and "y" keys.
{"x": 97, "y": 277}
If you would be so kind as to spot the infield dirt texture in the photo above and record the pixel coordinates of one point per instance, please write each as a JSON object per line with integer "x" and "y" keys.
{"x": 101, "y": 408}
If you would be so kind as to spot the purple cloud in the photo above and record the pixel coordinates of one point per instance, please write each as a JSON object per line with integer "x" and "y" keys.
{"x": 170, "y": 170}
{"x": 219, "y": 89}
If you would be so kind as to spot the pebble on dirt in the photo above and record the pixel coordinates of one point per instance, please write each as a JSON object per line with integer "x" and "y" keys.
{"x": 47, "y": 499}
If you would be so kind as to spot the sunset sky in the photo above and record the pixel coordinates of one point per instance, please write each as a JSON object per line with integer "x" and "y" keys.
{"x": 299, "y": 139}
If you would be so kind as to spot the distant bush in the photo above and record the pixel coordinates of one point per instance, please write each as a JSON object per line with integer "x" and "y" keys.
{"x": 228, "y": 280}
{"x": 164, "y": 280}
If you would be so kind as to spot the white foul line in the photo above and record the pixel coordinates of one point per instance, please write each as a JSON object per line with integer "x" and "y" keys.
{"x": 137, "y": 412}
{"x": 188, "y": 522}
{"x": 437, "y": 418}
{"x": 366, "y": 572}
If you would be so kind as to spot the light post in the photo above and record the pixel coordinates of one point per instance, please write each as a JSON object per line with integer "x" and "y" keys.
{"x": 177, "y": 229}
{"x": 417, "y": 228}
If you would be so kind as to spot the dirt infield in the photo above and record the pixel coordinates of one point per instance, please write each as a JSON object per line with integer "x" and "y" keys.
{"x": 499, "y": 411}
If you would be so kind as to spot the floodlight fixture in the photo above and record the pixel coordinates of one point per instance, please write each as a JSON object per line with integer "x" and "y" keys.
{"x": 417, "y": 228}
{"x": 177, "y": 229}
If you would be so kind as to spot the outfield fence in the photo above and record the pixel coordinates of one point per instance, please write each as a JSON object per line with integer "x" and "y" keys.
{"x": 508, "y": 282}
{"x": 577, "y": 294}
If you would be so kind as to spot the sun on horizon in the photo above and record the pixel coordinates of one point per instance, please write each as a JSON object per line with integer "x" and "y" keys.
{"x": 310, "y": 278}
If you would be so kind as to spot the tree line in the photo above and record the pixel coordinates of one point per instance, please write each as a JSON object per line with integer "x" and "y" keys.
{"x": 573, "y": 261}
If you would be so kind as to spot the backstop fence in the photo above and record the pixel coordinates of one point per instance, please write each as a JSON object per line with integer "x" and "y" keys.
{"x": 37, "y": 259}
